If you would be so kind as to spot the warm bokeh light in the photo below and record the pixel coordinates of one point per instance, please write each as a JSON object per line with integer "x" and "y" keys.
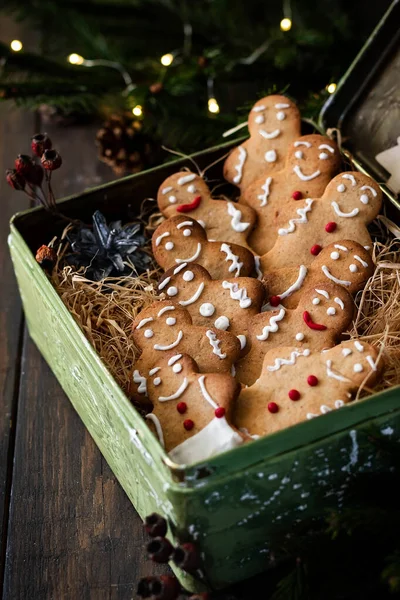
{"x": 137, "y": 110}
{"x": 213, "y": 106}
{"x": 286, "y": 24}
{"x": 167, "y": 59}
{"x": 16, "y": 45}
{"x": 75, "y": 59}
{"x": 331, "y": 88}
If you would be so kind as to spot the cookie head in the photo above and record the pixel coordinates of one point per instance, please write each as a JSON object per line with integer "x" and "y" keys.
{"x": 354, "y": 196}
{"x": 313, "y": 155}
{"x": 184, "y": 191}
{"x": 346, "y": 263}
{"x": 170, "y": 378}
{"x": 354, "y": 362}
{"x": 326, "y": 306}
{"x": 189, "y": 281}
{"x": 179, "y": 240}
{"x": 273, "y": 116}
{"x": 159, "y": 327}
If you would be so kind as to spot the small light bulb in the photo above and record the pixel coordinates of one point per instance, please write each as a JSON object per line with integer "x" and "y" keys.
{"x": 167, "y": 59}
{"x": 137, "y": 110}
{"x": 16, "y": 45}
{"x": 213, "y": 106}
{"x": 75, "y": 59}
{"x": 331, "y": 88}
{"x": 286, "y": 24}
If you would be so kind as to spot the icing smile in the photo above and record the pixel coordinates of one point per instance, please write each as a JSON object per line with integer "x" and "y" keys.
{"x": 301, "y": 175}
{"x": 184, "y": 208}
{"x": 192, "y": 258}
{"x": 329, "y": 275}
{"x": 307, "y": 318}
{"x": 178, "y": 392}
{"x": 339, "y": 213}
{"x": 195, "y": 296}
{"x": 269, "y": 136}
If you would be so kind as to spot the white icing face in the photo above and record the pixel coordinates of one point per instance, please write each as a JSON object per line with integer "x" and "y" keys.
{"x": 341, "y": 266}
{"x": 182, "y": 188}
{"x": 162, "y": 328}
{"x": 310, "y": 149}
{"x": 354, "y": 198}
{"x": 322, "y": 306}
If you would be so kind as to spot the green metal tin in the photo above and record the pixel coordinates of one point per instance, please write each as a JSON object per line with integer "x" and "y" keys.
{"x": 238, "y": 504}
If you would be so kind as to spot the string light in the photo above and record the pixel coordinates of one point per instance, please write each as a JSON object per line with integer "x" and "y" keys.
{"x": 213, "y": 106}
{"x": 75, "y": 59}
{"x": 331, "y": 88}
{"x": 167, "y": 59}
{"x": 286, "y": 24}
{"x": 137, "y": 110}
{"x": 16, "y": 45}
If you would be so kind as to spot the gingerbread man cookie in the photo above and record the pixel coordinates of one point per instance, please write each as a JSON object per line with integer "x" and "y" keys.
{"x": 350, "y": 202}
{"x": 187, "y": 193}
{"x": 274, "y": 122}
{"x": 311, "y": 162}
{"x": 164, "y": 326}
{"x": 346, "y": 263}
{"x": 192, "y": 411}
{"x": 182, "y": 240}
{"x": 324, "y": 312}
{"x": 298, "y": 384}
{"x": 226, "y": 304}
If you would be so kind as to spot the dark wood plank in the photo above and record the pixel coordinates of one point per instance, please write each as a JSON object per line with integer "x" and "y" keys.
{"x": 73, "y": 532}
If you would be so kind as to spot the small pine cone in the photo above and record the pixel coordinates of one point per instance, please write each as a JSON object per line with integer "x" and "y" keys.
{"x": 24, "y": 164}
{"x": 40, "y": 143}
{"x": 51, "y": 160}
{"x": 15, "y": 179}
{"x": 46, "y": 257}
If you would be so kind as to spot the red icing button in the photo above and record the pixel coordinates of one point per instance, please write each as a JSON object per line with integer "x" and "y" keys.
{"x": 316, "y": 249}
{"x": 188, "y": 424}
{"x": 275, "y": 300}
{"x": 181, "y": 407}
{"x": 312, "y": 380}
{"x": 184, "y": 208}
{"x": 297, "y": 195}
{"x": 219, "y": 412}
{"x": 294, "y": 395}
{"x": 273, "y": 407}
{"x": 330, "y": 227}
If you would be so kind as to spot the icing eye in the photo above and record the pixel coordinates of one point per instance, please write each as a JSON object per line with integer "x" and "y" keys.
{"x": 171, "y": 321}
{"x": 169, "y": 245}
{"x": 364, "y": 199}
{"x": 188, "y": 276}
{"x": 353, "y": 268}
{"x": 323, "y": 156}
{"x": 358, "y": 368}
{"x": 331, "y": 311}
{"x": 187, "y": 232}
{"x": 172, "y": 291}
{"x": 148, "y": 333}
{"x": 270, "y": 156}
{"x": 207, "y": 309}
{"x": 191, "y": 189}
{"x": 335, "y": 255}
{"x": 341, "y": 187}
{"x": 157, "y": 381}
{"x": 316, "y": 301}
{"x": 259, "y": 119}
{"x": 299, "y": 154}
{"x": 177, "y": 368}
{"x": 281, "y": 115}
{"x": 172, "y": 199}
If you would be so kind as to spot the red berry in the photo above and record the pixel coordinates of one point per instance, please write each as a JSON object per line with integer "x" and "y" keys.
{"x": 312, "y": 380}
{"x": 297, "y": 195}
{"x": 40, "y": 143}
{"x": 188, "y": 424}
{"x": 15, "y": 179}
{"x": 294, "y": 395}
{"x": 181, "y": 407}
{"x": 24, "y": 164}
{"x": 155, "y": 525}
{"x": 316, "y": 249}
{"x": 186, "y": 557}
{"x": 51, "y": 160}
{"x": 275, "y": 300}
{"x": 219, "y": 412}
{"x": 330, "y": 227}
{"x": 159, "y": 549}
{"x": 273, "y": 407}
{"x": 46, "y": 257}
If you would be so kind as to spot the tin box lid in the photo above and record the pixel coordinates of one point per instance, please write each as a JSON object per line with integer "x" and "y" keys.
{"x": 365, "y": 107}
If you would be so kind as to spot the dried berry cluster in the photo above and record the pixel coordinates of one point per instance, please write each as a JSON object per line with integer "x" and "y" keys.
{"x": 160, "y": 550}
{"x": 28, "y": 174}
